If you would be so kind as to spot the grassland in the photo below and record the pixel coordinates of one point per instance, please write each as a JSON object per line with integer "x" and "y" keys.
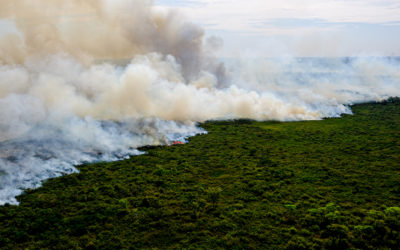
{"x": 331, "y": 184}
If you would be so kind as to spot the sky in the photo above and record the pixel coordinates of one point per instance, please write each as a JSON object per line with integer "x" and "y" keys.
{"x": 267, "y": 28}
{"x": 298, "y": 27}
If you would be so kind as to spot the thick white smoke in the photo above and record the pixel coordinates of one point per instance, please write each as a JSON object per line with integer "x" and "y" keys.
{"x": 92, "y": 80}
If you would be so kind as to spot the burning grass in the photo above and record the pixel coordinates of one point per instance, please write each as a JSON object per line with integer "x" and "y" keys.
{"x": 333, "y": 183}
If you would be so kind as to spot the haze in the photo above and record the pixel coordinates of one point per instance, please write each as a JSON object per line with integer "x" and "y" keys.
{"x": 298, "y": 27}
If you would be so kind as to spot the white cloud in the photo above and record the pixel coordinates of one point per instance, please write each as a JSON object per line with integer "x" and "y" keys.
{"x": 299, "y": 27}
{"x": 240, "y": 15}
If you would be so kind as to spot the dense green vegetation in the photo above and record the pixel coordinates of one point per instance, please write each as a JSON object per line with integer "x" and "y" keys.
{"x": 329, "y": 184}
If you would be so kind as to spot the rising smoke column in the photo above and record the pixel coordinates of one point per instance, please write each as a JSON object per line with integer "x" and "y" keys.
{"x": 84, "y": 81}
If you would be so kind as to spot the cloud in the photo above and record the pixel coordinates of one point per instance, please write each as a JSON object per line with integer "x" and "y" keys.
{"x": 240, "y": 15}
{"x": 335, "y": 27}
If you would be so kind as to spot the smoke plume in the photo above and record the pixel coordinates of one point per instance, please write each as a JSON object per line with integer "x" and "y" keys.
{"x": 92, "y": 80}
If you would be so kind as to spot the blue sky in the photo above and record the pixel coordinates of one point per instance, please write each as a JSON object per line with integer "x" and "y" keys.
{"x": 298, "y": 27}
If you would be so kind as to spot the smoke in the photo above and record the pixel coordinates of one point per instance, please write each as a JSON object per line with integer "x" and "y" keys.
{"x": 103, "y": 29}
{"x": 325, "y": 83}
{"x": 84, "y": 81}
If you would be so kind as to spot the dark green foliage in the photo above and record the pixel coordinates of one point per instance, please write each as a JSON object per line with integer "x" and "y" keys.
{"x": 331, "y": 184}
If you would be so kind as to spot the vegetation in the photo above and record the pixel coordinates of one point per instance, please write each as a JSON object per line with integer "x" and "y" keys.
{"x": 330, "y": 184}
